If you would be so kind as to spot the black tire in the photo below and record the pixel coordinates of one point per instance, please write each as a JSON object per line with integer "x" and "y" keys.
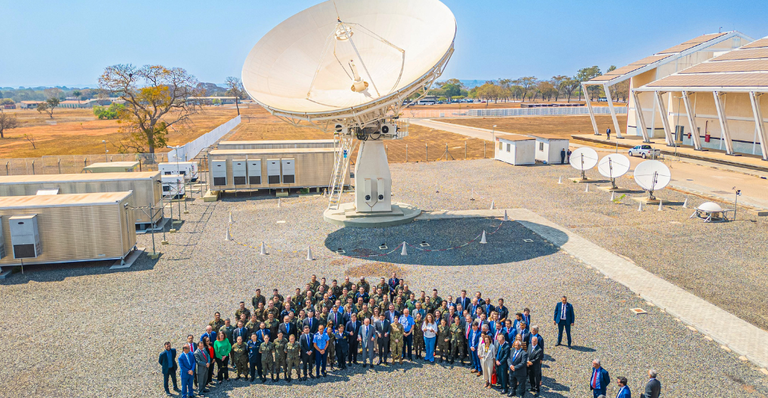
{"x": 643, "y": 156}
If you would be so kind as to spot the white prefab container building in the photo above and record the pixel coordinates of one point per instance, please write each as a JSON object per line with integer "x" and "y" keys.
{"x": 46, "y": 229}
{"x": 275, "y": 144}
{"x": 187, "y": 169}
{"x": 273, "y": 168}
{"x": 111, "y": 167}
{"x": 549, "y": 148}
{"x": 516, "y": 150}
{"x": 173, "y": 186}
{"x": 146, "y": 187}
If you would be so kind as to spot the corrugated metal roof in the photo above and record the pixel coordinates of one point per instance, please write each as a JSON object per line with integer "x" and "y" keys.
{"x": 268, "y": 151}
{"x": 94, "y": 177}
{"x": 728, "y": 66}
{"x": 751, "y": 53}
{"x": 668, "y": 55}
{"x": 714, "y": 80}
{"x": 758, "y": 43}
{"x": 513, "y": 137}
{"x": 692, "y": 43}
{"x": 79, "y": 199}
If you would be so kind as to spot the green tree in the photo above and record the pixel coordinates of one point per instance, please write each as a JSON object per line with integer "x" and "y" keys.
{"x": 48, "y": 106}
{"x": 558, "y": 82}
{"x": 156, "y": 98}
{"x": 77, "y": 95}
{"x": 587, "y": 74}
{"x": 527, "y": 85}
{"x": 569, "y": 85}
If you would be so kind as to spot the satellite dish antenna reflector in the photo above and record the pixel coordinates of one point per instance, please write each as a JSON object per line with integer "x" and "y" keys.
{"x": 583, "y": 159}
{"x": 613, "y": 166}
{"x": 652, "y": 175}
{"x": 349, "y": 58}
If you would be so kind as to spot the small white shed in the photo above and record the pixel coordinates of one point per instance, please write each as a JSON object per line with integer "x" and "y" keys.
{"x": 549, "y": 147}
{"x": 515, "y": 149}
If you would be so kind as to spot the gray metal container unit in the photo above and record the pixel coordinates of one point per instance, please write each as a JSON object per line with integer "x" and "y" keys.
{"x": 146, "y": 186}
{"x": 47, "y": 229}
{"x": 276, "y": 168}
{"x": 275, "y": 144}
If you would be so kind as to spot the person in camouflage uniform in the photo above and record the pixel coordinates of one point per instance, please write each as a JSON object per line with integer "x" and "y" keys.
{"x": 258, "y": 299}
{"x": 217, "y": 322}
{"x": 314, "y": 283}
{"x": 272, "y": 324}
{"x": 227, "y": 329}
{"x": 242, "y": 310}
{"x": 364, "y": 284}
{"x": 252, "y": 325}
{"x": 396, "y": 340}
{"x": 457, "y": 340}
{"x": 292, "y": 358}
{"x": 418, "y": 335}
{"x": 443, "y": 340}
{"x": 240, "y": 357}
{"x": 331, "y": 347}
{"x": 280, "y": 361}
{"x": 259, "y": 312}
{"x": 267, "y": 350}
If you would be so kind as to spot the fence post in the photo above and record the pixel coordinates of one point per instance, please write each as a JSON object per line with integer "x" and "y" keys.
{"x": 59, "y": 164}
{"x": 85, "y": 162}
{"x": 484, "y": 142}
{"x": 465, "y": 150}
{"x": 7, "y": 168}
{"x": 426, "y": 147}
{"x": 33, "y": 167}
{"x": 406, "y": 153}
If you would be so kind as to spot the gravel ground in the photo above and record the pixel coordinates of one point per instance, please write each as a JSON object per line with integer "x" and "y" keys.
{"x": 88, "y": 331}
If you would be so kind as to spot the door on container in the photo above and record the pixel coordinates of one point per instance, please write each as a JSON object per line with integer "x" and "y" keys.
{"x": 238, "y": 171}
{"x": 289, "y": 171}
{"x": 254, "y": 172}
{"x": 273, "y": 171}
{"x": 219, "y": 172}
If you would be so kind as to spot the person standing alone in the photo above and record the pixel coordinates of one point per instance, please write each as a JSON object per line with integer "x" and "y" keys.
{"x": 564, "y": 319}
{"x": 167, "y": 361}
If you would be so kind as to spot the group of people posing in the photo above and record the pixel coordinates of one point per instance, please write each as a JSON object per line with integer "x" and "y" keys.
{"x": 331, "y": 326}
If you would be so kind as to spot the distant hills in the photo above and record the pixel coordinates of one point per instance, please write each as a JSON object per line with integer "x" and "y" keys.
{"x": 472, "y": 83}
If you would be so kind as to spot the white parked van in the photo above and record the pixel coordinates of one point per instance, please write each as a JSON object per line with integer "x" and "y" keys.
{"x": 173, "y": 186}
{"x": 187, "y": 169}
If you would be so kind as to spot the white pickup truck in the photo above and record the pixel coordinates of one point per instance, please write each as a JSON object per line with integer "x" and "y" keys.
{"x": 644, "y": 151}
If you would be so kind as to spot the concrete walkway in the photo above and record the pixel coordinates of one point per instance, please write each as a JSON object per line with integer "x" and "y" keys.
{"x": 473, "y": 132}
{"x": 730, "y": 331}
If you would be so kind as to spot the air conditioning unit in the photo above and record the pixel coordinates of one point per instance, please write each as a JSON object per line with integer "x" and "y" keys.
{"x": 25, "y": 236}
{"x": 239, "y": 171}
{"x": 389, "y": 129}
{"x": 219, "y": 172}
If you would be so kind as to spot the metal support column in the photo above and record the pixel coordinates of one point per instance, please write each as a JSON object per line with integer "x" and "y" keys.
{"x": 726, "y": 133}
{"x": 759, "y": 125}
{"x": 664, "y": 119}
{"x": 589, "y": 108}
{"x": 692, "y": 122}
{"x": 640, "y": 117}
{"x": 616, "y": 127}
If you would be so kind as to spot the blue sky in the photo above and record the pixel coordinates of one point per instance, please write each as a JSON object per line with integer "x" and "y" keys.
{"x": 70, "y": 42}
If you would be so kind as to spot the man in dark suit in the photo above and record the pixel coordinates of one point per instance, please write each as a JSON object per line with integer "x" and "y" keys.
{"x": 352, "y": 329}
{"x": 564, "y": 319}
{"x": 312, "y": 322}
{"x": 623, "y": 388}
{"x": 367, "y": 340}
{"x": 287, "y": 328}
{"x": 393, "y": 283}
{"x": 502, "y": 355}
{"x": 517, "y": 362}
{"x": 336, "y": 317}
{"x": 202, "y": 363}
{"x": 306, "y": 353}
{"x": 392, "y": 315}
{"x": 535, "y": 333}
{"x": 599, "y": 380}
{"x": 502, "y": 310}
{"x": 653, "y": 387}
{"x": 167, "y": 362}
{"x": 463, "y": 300}
{"x": 382, "y": 337}
{"x": 535, "y": 355}
{"x": 473, "y": 339}
{"x": 241, "y": 331}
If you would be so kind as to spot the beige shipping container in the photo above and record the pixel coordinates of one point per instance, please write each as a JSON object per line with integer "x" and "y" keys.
{"x": 146, "y": 188}
{"x": 275, "y": 144}
{"x": 253, "y": 169}
{"x": 70, "y": 228}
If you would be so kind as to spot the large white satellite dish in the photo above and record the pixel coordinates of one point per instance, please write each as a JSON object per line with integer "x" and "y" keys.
{"x": 652, "y": 175}
{"x": 583, "y": 159}
{"x": 613, "y": 166}
{"x": 347, "y": 66}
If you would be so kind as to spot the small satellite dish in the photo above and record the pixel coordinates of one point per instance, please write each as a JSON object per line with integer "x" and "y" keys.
{"x": 613, "y": 166}
{"x": 652, "y": 175}
{"x": 583, "y": 159}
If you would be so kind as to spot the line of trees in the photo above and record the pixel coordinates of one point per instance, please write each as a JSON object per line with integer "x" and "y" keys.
{"x": 530, "y": 88}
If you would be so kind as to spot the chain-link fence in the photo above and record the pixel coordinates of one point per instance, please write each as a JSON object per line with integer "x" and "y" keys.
{"x": 68, "y": 164}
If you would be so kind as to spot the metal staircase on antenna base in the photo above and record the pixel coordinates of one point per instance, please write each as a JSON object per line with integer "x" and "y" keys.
{"x": 344, "y": 144}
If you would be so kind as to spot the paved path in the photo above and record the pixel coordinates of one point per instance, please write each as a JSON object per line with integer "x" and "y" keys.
{"x": 727, "y": 329}
{"x": 690, "y": 175}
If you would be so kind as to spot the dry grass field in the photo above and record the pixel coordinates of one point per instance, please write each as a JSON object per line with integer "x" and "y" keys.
{"x": 563, "y": 126}
{"x": 78, "y": 132}
{"x": 258, "y": 124}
